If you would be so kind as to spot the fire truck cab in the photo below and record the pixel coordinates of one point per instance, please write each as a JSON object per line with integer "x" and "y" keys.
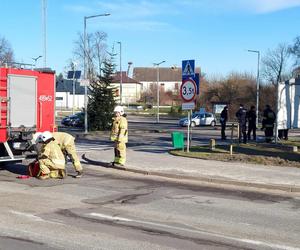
{"x": 27, "y": 105}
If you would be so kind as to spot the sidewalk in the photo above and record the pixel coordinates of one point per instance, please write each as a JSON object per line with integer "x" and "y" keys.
{"x": 161, "y": 163}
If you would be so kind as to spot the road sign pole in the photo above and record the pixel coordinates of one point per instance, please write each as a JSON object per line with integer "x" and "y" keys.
{"x": 188, "y": 133}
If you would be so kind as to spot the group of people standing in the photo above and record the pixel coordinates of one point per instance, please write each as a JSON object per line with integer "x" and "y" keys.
{"x": 249, "y": 117}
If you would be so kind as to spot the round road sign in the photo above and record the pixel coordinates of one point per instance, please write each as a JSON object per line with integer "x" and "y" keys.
{"x": 188, "y": 90}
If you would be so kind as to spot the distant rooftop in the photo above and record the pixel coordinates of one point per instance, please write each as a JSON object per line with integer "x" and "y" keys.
{"x": 166, "y": 74}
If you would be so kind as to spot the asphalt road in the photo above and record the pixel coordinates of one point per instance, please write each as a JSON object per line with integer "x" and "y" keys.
{"x": 110, "y": 209}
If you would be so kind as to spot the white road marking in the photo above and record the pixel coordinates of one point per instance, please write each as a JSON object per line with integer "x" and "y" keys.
{"x": 33, "y": 217}
{"x": 27, "y": 215}
{"x": 253, "y": 242}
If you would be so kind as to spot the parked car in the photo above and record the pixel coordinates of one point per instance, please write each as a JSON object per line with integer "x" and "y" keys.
{"x": 199, "y": 119}
{"x": 76, "y": 120}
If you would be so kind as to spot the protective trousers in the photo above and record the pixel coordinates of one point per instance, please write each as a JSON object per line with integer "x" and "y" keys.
{"x": 51, "y": 161}
{"x": 67, "y": 145}
{"x": 120, "y": 153}
{"x": 71, "y": 152}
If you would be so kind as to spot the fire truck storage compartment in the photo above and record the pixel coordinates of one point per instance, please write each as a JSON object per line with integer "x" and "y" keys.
{"x": 22, "y": 104}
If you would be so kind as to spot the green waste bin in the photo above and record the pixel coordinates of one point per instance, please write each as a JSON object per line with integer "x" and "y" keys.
{"x": 178, "y": 140}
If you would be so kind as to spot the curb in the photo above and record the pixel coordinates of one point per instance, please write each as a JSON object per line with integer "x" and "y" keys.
{"x": 273, "y": 187}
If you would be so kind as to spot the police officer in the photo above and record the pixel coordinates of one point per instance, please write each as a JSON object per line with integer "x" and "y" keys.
{"x": 51, "y": 159}
{"x": 269, "y": 118}
{"x": 241, "y": 115}
{"x": 251, "y": 117}
{"x": 119, "y": 135}
{"x": 223, "y": 120}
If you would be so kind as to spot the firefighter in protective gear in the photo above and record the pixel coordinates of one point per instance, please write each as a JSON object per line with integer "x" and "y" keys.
{"x": 119, "y": 135}
{"x": 269, "y": 118}
{"x": 67, "y": 145}
{"x": 51, "y": 159}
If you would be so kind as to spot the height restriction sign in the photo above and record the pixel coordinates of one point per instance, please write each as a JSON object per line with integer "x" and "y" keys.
{"x": 188, "y": 90}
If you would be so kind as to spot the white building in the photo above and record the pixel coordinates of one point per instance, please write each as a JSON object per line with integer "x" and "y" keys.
{"x": 131, "y": 89}
{"x": 64, "y": 95}
{"x": 169, "y": 78}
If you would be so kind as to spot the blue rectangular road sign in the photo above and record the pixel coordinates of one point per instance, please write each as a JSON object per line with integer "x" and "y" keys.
{"x": 188, "y": 68}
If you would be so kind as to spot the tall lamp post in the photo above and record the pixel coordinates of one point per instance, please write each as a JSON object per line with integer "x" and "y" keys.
{"x": 257, "y": 82}
{"x": 157, "y": 67}
{"x": 35, "y": 60}
{"x": 85, "y": 67}
{"x": 121, "y": 77}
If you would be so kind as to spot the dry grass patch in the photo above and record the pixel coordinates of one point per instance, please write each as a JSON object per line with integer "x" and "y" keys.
{"x": 265, "y": 154}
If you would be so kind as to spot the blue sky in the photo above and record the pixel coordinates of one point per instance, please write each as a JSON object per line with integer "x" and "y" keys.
{"x": 216, "y": 33}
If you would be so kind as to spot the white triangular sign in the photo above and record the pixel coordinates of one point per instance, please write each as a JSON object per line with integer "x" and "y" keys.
{"x": 188, "y": 70}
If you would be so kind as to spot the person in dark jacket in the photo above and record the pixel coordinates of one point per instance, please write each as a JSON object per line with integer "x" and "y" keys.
{"x": 223, "y": 120}
{"x": 269, "y": 118}
{"x": 251, "y": 117}
{"x": 241, "y": 115}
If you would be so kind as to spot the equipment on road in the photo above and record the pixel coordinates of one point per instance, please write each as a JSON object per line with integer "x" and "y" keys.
{"x": 27, "y": 102}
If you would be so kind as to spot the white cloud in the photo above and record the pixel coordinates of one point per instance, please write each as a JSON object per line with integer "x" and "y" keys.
{"x": 266, "y": 6}
{"x": 250, "y": 6}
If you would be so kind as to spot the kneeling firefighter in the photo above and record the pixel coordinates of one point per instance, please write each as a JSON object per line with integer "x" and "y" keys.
{"x": 51, "y": 159}
{"x": 119, "y": 135}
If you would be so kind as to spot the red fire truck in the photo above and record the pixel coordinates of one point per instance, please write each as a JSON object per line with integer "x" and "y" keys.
{"x": 27, "y": 105}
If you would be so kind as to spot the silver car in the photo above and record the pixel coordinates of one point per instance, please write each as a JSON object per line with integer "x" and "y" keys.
{"x": 199, "y": 119}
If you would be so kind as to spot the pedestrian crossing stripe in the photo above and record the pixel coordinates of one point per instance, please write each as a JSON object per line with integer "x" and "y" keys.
{"x": 188, "y": 69}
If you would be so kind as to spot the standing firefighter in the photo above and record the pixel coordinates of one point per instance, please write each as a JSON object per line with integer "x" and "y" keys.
{"x": 251, "y": 116}
{"x": 223, "y": 120}
{"x": 67, "y": 145}
{"x": 51, "y": 159}
{"x": 269, "y": 118}
{"x": 241, "y": 115}
{"x": 119, "y": 135}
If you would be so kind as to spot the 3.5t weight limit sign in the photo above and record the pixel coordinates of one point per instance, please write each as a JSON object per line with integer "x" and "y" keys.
{"x": 188, "y": 90}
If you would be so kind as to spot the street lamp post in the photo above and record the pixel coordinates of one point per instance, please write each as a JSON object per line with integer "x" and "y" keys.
{"x": 121, "y": 77}
{"x": 85, "y": 67}
{"x": 257, "y": 82}
{"x": 157, "y": 67}
{"x": 35, "y": 60}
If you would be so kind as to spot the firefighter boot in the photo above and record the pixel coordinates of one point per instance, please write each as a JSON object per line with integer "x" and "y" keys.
{"x": 43, "y": 177}
{"x": 78, "y": 174}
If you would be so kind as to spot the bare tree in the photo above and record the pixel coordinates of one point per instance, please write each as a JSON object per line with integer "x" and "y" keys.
{"x": 6, "y": 52}
{"x": 295, "y": 50}
{"x": 95, "y": 52}
{"x": 274, "y": 64}
{"x": 100, "y": 48}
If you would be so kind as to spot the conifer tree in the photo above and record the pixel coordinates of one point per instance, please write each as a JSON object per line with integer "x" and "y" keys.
{"x": 101, "y": 100}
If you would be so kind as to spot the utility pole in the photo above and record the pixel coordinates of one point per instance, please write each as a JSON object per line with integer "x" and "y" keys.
{"x": 121, "y": 75}
{"x": 44, "y": 8}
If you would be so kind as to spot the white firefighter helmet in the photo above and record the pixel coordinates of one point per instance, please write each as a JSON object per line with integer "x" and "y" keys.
{"x": 119, "y": 109}
{"x": 46, "y": 136}
{"x": 36, "y": 137}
